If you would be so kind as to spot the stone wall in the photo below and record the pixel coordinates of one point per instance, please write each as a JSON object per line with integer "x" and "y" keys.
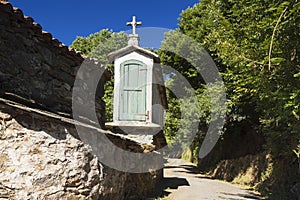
{"x": 36, "y": 67}
{"x": 42, "y": 158}
{"x": 41, "y": 155}
{"x": 235, "y": 145}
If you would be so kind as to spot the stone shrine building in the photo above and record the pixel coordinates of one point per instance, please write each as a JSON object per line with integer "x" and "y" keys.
{"x": 139, "y": 92}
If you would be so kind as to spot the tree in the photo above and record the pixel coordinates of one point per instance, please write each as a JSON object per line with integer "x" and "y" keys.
{"x": 256, "y": 47}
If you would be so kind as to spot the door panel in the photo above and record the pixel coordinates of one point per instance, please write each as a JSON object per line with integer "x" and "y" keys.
{"x": 133, "y": 91}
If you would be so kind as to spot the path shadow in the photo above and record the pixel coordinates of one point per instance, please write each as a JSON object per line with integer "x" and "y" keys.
{"x": 239, "y": 196}
{"x": 160, "y": 189}
{"x": 189, "y": 169}
{"x": 194, "y": 170}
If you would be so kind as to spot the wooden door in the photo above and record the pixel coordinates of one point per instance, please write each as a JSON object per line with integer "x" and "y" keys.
{"x": 133, "y": 83}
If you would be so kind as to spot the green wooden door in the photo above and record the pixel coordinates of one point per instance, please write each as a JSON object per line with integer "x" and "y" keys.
{"x": 133, "y": 81}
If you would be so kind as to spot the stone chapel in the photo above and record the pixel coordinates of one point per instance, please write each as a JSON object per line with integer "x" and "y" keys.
{"x": 139, "y": 93}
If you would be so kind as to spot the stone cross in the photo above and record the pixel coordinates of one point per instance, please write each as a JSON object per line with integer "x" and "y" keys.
{"x": 134, "y": 24}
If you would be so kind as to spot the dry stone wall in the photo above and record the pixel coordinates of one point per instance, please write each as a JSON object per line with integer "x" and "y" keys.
{"x": 41, "y": 155}
{"x": 42, "y": 158}
{"x": 36, "y": 67}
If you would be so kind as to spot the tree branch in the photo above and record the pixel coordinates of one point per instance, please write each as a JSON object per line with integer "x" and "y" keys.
{"x": 273, "y": 35}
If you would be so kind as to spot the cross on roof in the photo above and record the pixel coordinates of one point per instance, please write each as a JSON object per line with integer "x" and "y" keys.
{"x": 134, "y": 24}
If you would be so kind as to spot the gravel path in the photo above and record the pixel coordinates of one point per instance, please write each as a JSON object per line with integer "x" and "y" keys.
{"x": 181, "y": 182}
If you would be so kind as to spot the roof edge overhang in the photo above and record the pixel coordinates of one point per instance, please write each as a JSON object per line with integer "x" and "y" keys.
{"x": 129, "y": 49}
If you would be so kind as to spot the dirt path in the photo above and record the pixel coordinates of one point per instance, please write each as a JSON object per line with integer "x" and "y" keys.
{"x": 182, "y": 182}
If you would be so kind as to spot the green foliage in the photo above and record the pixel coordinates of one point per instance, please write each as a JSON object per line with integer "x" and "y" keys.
{"x": 181, "y": 116}
{"x": 239, "y": 35}
{"x": 98, "y": 46}
{"x": 195, "y": 103}
{"x": 255, "y": 45}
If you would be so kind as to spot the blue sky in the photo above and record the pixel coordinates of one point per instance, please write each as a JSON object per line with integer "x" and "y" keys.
{"x": 67, "y": 19}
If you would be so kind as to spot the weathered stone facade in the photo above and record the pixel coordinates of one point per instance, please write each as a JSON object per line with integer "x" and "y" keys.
{"x": 41, "y": 155}
{"x": 36, "y": 66}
